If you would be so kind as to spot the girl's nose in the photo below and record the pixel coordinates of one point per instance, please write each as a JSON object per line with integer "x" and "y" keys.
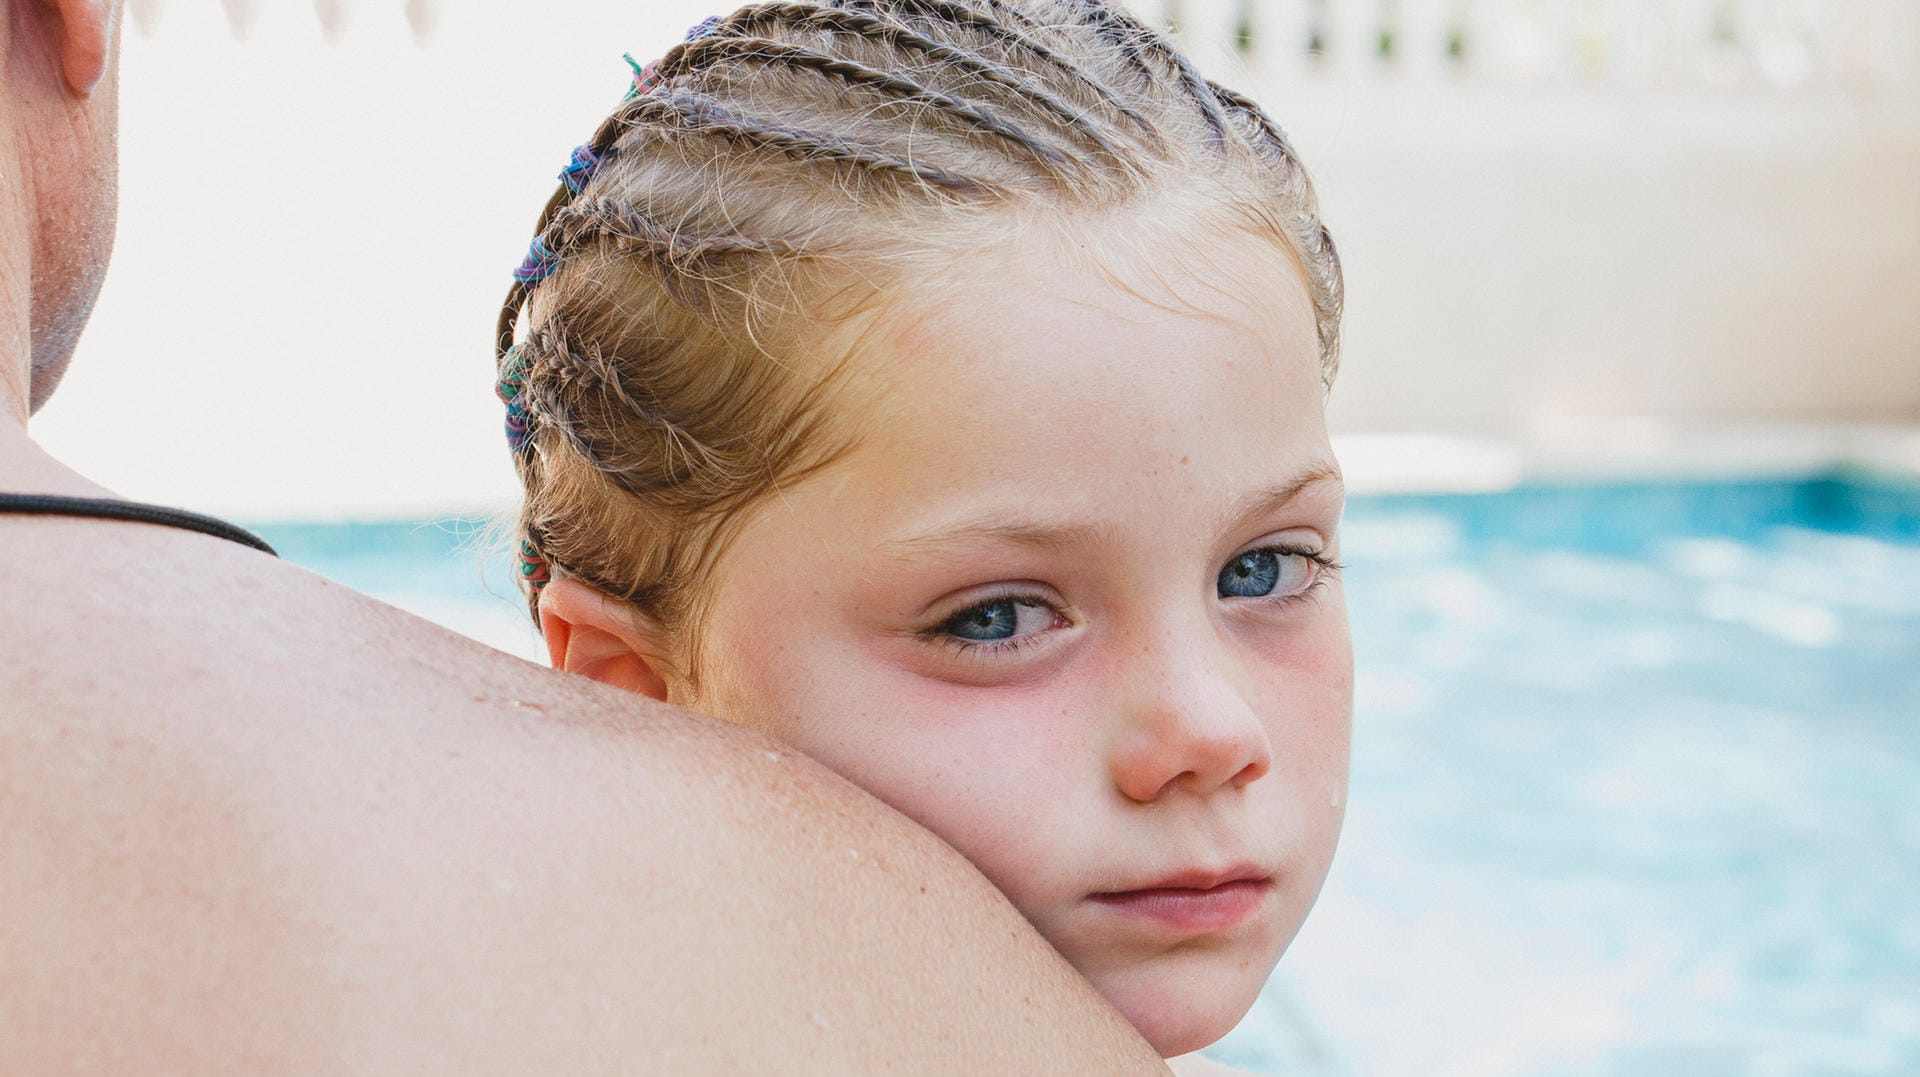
{"x": 1187, "y": 729}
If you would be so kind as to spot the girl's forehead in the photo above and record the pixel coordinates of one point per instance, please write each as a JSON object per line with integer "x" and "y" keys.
{"x": 1025, "y": 375}
{"x": 1044, "y": 301}
{"x": 1122, "y": 265}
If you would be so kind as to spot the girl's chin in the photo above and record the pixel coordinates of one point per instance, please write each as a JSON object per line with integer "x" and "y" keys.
{"x": 1182, "y": 1011}
{"x": 1174, "y": 1034}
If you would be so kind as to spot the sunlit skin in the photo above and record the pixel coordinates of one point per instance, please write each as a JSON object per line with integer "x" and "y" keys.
{"x": 1073, "y": 604}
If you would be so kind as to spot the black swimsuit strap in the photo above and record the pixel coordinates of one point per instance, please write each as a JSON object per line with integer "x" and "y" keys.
{"x": 102, "y": 508}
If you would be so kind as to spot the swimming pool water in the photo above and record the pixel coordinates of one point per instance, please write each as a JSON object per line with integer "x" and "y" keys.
{"x": 1636, "y": 779}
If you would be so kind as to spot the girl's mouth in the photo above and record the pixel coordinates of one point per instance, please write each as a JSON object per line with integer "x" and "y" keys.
{"x": 1192, "y": 910}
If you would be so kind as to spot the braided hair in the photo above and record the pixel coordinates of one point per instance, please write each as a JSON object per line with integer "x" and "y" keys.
{"x": 656, "y": 386}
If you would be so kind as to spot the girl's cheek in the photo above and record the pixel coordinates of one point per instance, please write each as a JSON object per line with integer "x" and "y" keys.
{"x": 982, "y": 768}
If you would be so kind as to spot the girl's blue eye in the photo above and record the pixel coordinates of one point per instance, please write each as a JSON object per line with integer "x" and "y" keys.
{"x": 1261, "y": 573}
{"x": 999, "y": 619}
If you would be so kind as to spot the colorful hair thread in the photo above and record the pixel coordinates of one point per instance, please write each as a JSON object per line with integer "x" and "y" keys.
{"x": 537, "y": 266}
{"x": 534, "y": 570}
{"x": 513, "y": 377}
{"x": 539, "y": 263}
{"x": 579, "y": 169}
{"x": 643, "y": 82}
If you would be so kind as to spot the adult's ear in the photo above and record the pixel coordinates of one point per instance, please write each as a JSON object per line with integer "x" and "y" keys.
{"x": 86, "y": 30}
{"x": 608, "y": 640}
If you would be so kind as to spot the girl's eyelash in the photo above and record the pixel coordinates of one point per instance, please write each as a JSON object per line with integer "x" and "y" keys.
{"x": 1329, "y": 568}
{"x": 1318, "y": 557}
{"x": 937, "y": 632}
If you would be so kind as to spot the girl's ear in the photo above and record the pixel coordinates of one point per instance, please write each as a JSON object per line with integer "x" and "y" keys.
{"x": 599, "y": 637}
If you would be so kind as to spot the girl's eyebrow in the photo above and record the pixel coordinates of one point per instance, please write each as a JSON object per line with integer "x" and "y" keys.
{"x": 1046, "y": 538}
{"x": 1054, "y": 537}
{"x": 1321, "y": 474}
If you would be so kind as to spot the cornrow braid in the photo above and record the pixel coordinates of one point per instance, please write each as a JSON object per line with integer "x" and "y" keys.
{"x": 562, "y": 373}
{"x": 1136, "y": 40}
{"x": 958, "y": 14}
{"x": 689, "y": 57}
{"x": 626, "y": 228}
{"x": 681, "y": 109}
{"x": 872, "y": 27}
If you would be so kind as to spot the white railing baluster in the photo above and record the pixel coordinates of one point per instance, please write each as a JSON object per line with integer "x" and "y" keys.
{"x": 423, "y": 17}
{"x": 1476, "y": 24}
{"x": 1420, "y": 38}
{"x": 1692, "y": 52}
{"x": 145, "y": 14}
{"x": 1587, "y": 39}
{"x": 1531, "y": 41}
{"x": 333, "y": 17}
{"x": 240, "y": 15}
{"x": 1353, "y": 46}
{"x": 1893, "y": 55}
{"x": 1825, "y": 25}
{"x": 1780, "y": 44}
{"x": 1282, "y": 30}
{"x": 1628, "y": 51}
{"x": 1208, "y": 31}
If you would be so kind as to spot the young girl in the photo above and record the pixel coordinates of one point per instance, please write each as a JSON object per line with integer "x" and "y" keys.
{"x": 939, "y": 385}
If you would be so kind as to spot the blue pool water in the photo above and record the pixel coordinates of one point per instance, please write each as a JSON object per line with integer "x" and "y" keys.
{"x": 1636, "y": 780}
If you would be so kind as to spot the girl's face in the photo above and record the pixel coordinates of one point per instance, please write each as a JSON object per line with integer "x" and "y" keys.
{"x": 1071, "y": 605}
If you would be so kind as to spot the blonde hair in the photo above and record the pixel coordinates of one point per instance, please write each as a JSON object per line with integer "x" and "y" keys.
{"x": 759, "y": 195}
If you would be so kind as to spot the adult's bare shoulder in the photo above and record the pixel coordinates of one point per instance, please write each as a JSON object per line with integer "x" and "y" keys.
{"x": 250, "y": 820}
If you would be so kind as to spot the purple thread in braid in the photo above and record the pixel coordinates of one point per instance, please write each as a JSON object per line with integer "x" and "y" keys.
{"x": 538, "y": 265}
{"x": 519, "y": 429}
{"x": 580, "y": 169}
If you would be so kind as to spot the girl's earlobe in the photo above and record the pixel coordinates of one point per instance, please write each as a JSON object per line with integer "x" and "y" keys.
{"x": 602, "y": 638}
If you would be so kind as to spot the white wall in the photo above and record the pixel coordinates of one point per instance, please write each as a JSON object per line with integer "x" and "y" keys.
{"x": 1602, "y": 211}
{"x": 1613, "y": 209}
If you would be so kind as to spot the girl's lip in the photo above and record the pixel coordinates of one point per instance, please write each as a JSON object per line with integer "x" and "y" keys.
{"x": 1192, "y": 910}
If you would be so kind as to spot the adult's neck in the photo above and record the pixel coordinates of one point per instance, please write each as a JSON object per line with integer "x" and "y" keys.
{"x": 24, "y": 77}
{"x": 17, "y": 222}
{"x": 24, "y": 466}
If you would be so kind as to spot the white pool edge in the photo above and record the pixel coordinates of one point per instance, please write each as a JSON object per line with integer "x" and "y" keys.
{"x": 1636, "y": 449}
